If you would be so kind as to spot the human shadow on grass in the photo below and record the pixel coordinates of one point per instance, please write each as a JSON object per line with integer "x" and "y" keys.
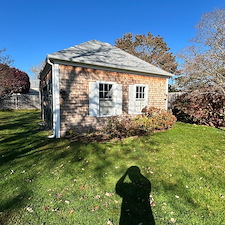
{"x": 136, "y": 208}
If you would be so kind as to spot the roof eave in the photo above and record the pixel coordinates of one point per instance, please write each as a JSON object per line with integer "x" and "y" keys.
{"x": 45, "y": 69}
{"x": 65, "y": 61}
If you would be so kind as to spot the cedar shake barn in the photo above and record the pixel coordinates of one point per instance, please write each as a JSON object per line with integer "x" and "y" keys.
{"x": 82, "y": 86}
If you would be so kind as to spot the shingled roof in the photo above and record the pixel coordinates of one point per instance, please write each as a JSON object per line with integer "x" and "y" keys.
{"x": 102, "y": 54}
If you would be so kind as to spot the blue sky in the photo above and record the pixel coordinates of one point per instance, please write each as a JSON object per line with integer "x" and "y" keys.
{"x": 31, "y": 29}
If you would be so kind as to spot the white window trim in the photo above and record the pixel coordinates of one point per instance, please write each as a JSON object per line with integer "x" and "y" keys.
{"x": 113, "y": 100}
{"x": 117, "y": 105}
{"x": 132, "y": 98}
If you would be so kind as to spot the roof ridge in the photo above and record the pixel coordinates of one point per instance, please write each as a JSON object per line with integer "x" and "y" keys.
{"x": 103, "y": 54}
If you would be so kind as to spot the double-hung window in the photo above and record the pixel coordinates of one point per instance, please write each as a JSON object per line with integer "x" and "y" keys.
{"x": 138, "y": 98}
{"x": 106, "y": 103}
{"x": 105, "y": 98}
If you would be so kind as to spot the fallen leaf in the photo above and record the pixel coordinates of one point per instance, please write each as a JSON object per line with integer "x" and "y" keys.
{"x": 153, "y": 204}
{"x": 95, "y": 208}
{"x": 83, "y": 187}
{"x": 59, "y": 195}
{"x": 109, "y": 222}
{"x": 55, "y": 210}
{"x": 29, "y": 180}
{"x": 97, "y": 197}
{"x": 29, "y": 209}
{"x": 72, "y": 210}
{"x": 46, "y": 208}
{"x": 172, "y": 220}
{"x": 83, "y": 197}
{"x": 109, "y": 194}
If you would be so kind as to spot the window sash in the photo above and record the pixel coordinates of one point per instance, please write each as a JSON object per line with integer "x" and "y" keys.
{"x": 140, "y": 93}
{"x": 105, "y": 91}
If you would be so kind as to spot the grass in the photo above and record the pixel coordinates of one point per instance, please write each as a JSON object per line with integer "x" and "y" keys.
{"x": 49, "y": 181}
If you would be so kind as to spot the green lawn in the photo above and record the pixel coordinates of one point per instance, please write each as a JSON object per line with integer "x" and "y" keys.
{"x": 51, "y": 182}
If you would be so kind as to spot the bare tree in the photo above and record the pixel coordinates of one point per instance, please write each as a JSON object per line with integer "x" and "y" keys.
{"x": 4, "y": 58}
{"x": 36, "y": 69}
{"x": 5, "y": 62}
{"x": 204, "y": 61}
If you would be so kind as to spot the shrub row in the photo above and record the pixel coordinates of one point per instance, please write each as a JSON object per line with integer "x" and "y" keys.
{"x": 201, "y": 108}
{"x": 151, "y": 120}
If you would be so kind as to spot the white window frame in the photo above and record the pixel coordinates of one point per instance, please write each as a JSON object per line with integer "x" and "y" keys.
{"x": 112, "y": 99}
{"x": 134, "y": 101}
{"x": 94, "y": 98}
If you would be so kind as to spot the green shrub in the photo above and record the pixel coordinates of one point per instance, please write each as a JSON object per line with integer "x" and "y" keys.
{"x": 201, "y": 108}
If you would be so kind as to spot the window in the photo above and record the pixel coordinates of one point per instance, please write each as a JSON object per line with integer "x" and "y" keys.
{"x": 105, "y": 91}
{"x": 106, "y": 103}
{"x": 105, "y": 98}
{"x": 138, "y": 98}
{"x": 140, "y": 93}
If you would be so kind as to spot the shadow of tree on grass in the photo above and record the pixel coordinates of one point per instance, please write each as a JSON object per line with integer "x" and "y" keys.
{"x": 24, "y": 148}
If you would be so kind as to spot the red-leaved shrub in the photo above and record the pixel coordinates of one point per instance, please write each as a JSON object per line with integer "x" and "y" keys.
{"x": 13, "y": 80}
{"x": 201, "y": 108}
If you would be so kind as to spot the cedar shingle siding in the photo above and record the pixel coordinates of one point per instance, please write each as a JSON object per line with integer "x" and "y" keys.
{"x": 74, "y": 95}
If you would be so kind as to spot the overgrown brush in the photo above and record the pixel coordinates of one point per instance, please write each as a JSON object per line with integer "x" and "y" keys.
{"x": 201, "y": 108}
{"x": 151, "y": 120}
